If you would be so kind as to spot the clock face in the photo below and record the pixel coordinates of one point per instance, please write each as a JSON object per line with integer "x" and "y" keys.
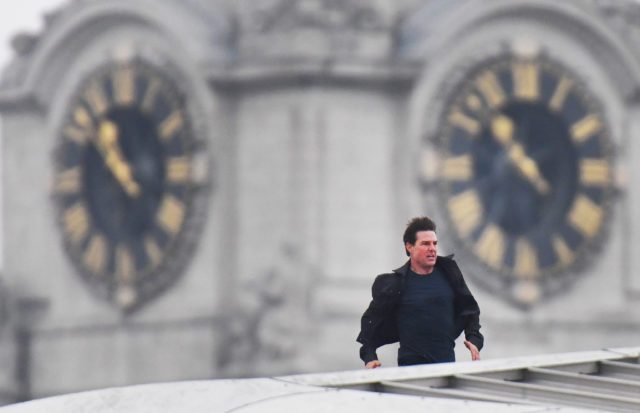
{"x": 526, "y": 173}
{"x": 127, "y": 173}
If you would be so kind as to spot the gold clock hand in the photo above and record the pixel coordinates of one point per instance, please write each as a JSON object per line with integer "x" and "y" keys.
{"x": 107, "y": 145}
{"x": 528, "y": 168}
{"x": 502, "y": 128}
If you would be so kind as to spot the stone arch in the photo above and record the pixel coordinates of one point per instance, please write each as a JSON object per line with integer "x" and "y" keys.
{"x": 436, "y": 26}
{"x": 202, "y": 38}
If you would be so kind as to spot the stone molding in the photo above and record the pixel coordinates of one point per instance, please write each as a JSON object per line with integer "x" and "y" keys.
{"x": 326, "y": 15}
{"x": 204, "y": 37}
{"x": 302, "y": 29}
{"x": 604, "y": 27}
{"x": 232, "y": 42}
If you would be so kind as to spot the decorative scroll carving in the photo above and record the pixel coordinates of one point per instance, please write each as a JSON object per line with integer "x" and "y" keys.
{"x": 623, "y": 16}
{"x": 288, "y": 15}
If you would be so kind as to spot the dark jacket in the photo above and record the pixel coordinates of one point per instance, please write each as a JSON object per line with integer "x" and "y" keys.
{"x": 378, "y": 324}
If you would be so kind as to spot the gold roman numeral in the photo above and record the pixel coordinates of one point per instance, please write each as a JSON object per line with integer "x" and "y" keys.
{"x": 465, "y": 122}
{"x": 124, "y": 85}
{"x": 474, "y": 103}
{"x": 154, "y": 253}
{"x": 560, "y": 94}
{"x": 76, "y": 222}
{"x": 585, "y": 216}
{"x": 97, "y": 98}
{"x": 466, "y": 211}
{"x": 95, "y": 255}
{"x": 562, "y": 250}
{"x": 81, "y": 128}
{"x": 82, "y": 118}
{"x": 69, "y": 181}
{"x": 489, "y": 85}
{"x": 585, "y": 128}
{"x": 595, "y": 172}
{"x": 458, "y": 168}
{"x": 171, "y": 214}
{"x": 526, "y": 259}
{"x": 491, "y": 246}
{"x": 178, "y": 169}
{"x": 125, "y": 266}
{"x": 171, "y": 125}
{"x": 75, "y": 134}
{"x": 525, "y": 79}
{"x": 150, "y": 95}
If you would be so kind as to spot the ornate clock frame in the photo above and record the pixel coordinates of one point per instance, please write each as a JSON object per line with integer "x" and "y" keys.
{"x": 526, "y": 172}
{"x": 129, "y": 174}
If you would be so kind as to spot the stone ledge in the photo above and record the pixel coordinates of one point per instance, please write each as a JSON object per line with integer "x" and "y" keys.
{"x": 262, "y": 395}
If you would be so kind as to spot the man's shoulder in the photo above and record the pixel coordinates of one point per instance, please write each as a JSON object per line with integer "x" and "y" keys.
{"x": 449, "y": 266}
{"x": 446, "y": 258}
{"x": 387, "y": 279}
{"x": 447, "y": 261}
{"x": 402, "y": 270}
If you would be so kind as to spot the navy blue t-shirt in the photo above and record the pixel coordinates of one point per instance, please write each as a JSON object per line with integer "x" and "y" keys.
{"x": 425, "y": 318}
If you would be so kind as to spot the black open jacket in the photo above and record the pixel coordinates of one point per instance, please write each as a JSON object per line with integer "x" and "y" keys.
{"x": 378, "y": 324}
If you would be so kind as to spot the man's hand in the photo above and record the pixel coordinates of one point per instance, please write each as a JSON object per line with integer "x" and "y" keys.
{"x": 475, "y": 353}
{"x": 375, "y": 363}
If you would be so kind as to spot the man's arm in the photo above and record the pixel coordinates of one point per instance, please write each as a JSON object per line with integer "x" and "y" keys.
{"x": 367, "y": 350}
{"x": 368, "y": 333}
{"x": 474, "y": 340}
{"x": 472, "y": 330}
{"x": 377, "y": 326}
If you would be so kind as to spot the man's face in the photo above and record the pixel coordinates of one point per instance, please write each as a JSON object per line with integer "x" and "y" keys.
{"x": 424, "y": 252}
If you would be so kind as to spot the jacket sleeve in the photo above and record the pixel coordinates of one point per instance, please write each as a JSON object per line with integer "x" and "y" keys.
{"x": 472, "y": 330}
{"x": 367, "y": 333}
{"x": 377, "y": 326}
{"x": 468, "y": 310}
{"x": 471, "y": 314}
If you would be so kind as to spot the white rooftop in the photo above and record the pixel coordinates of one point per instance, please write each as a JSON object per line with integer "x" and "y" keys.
{"x": 607, "y": 380}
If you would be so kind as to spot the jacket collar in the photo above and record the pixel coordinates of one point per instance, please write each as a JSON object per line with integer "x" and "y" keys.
{"x": 404, "y": 269}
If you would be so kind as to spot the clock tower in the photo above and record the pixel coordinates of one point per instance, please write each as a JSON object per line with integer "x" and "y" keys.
{"x": 200, "y": 189}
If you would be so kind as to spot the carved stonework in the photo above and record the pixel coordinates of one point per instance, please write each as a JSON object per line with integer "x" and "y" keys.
{"x": 315, "y": 28}
{"x": 623, "y": 16}
{"x": 326, "y": 15}
{"x": 272, "y": 321}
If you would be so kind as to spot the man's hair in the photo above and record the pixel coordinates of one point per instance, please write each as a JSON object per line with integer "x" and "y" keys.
{"x": 414, "y": 226}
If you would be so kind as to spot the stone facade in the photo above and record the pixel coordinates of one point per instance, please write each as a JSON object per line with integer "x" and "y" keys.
{"x": 318, "y": 117}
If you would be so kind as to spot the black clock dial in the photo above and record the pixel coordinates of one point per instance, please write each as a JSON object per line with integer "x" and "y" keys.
{"x": 526, "y": 174}
{"x": 126, "y": 177}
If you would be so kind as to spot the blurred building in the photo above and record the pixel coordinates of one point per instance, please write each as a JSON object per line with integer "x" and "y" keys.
{"x": 199, "y": 189}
